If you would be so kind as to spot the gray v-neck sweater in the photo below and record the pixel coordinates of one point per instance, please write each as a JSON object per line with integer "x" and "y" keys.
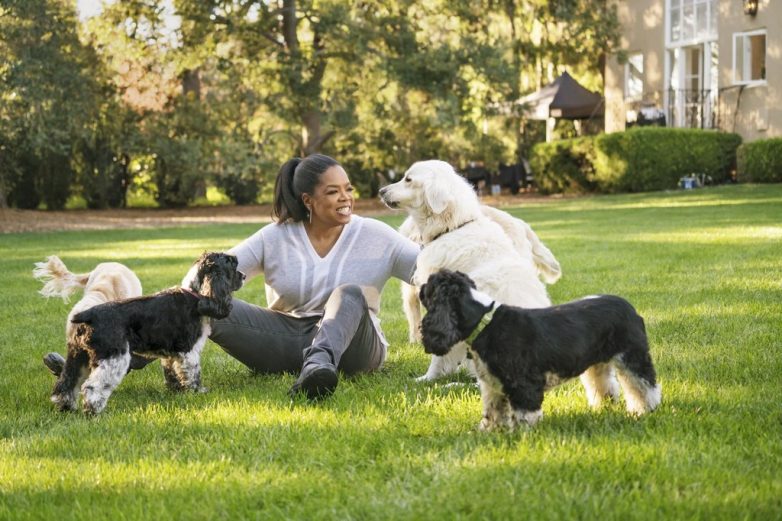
{"x": 298, "y": 281}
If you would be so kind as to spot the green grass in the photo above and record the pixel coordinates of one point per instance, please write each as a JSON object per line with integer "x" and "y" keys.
{"x": 704, "y": 268}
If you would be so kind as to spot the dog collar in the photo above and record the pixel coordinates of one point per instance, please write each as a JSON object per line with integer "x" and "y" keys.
{"x": 485, "y": 319}
{"x": 190, "y": 292}
{"x": 465, "y": 223}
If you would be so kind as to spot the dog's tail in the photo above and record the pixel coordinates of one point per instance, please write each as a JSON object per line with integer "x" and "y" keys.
{"x": 526, "y": 242}
{"x": 58, "y": 280}
{"x": 548, "y": 266}
{"x": 84, "y": 317}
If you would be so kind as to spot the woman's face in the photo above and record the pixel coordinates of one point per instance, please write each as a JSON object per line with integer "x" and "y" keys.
{"x": 332, "y": 201}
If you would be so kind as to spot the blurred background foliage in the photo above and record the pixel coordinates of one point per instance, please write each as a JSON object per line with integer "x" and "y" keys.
{"x": 164, "y": 102}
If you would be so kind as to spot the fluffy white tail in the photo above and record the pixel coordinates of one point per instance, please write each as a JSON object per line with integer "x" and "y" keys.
{"x": 526, "y": 242}
{"x": 58, "y": 281}
{"x": 547, "y": 264}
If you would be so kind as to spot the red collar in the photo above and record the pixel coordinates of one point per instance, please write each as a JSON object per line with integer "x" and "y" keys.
{"x": 191, "y": 292}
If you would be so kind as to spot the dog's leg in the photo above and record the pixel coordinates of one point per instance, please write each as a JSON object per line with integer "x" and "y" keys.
{"x": 170, "y": 373}
{"x": 184, "y": 372}
{"x": 412, "y": 308}
{"x": 191, "y": 371}
{"x": 639, "y": 381}
{"x": 103, "y": 379}
{"x": 526, "y": 399}
{"x": 599, "y": 383}
{"x": 443, "y": 365}
{"x": 496, "y": 409}
{"x": 66, "y": 391}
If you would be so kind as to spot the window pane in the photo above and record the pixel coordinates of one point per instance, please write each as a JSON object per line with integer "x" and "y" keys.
{"x": 758, "y": 65}
{"x": 635, "y": 69}
{"x": 702, "y": 30}
{"x": 688, "y": 22}
{"x": 713, "y": 17}
{"x": 676, "y": 27}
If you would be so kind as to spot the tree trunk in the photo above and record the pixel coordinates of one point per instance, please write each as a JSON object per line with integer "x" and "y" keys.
{"x": 307, "y": 91}
{"x": 191, "y": 82}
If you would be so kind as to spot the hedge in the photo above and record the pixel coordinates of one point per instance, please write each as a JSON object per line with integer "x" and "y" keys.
{"x": 760, "y": 161}
{"x": 637, "y": 160}
{"x": 565, "y": 166}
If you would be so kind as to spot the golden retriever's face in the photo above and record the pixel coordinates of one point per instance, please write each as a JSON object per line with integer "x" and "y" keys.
{"x": 425, "y": 185}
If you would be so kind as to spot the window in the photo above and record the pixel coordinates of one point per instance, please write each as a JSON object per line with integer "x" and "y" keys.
{"x": 749, "y": 57}
{"x": 634, "y": 76}
{"x": 691, "y": 20}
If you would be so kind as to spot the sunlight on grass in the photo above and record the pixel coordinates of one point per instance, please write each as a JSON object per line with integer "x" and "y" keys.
{"x": 715, "y": 235}
{"x": 702, "y": 267}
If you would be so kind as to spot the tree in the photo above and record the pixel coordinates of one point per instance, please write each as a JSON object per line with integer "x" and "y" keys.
{"x": 47, "y": 94}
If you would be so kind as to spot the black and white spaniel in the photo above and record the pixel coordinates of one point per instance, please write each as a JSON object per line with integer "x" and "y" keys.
{"x": 521, "y": 353}
{"x": 172, "y": 325}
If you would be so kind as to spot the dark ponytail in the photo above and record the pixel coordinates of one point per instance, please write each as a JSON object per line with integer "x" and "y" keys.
{"x": 296, "y": 177}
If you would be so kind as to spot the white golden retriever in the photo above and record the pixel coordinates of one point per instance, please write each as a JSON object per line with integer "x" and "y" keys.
{"x": 499, "y": 252}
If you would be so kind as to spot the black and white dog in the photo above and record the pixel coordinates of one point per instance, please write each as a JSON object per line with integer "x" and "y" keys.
{"x": 521, "y": 353}
{"x": 172, "y": 325}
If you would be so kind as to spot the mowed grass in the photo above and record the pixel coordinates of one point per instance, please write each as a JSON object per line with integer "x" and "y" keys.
{"x": 704, "y": 268}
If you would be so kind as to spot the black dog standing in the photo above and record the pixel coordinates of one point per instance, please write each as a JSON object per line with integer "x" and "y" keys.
{"x": 521, "y": 353}
{"x": 172, "y": 325}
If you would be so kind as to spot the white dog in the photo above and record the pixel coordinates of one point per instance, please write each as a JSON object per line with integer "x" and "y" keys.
{"x": 525, "y": 242}
{"x": 500, "y": 253}
{"x": 107, "y": 282}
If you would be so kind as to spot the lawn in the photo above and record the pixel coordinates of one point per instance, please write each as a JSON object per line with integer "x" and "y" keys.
{"x": 703, "y": 267}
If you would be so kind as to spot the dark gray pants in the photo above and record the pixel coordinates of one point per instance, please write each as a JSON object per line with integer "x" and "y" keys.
{"x": 270, "y": 342}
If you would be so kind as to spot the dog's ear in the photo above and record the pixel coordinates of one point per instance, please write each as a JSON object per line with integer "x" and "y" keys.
{"x": 437, "y": 194}
{"x": 215, "y": 308}
{"x": 440, "y": 325}
{"x": 439, "y": 329}
{"x": 422, "y": 295}
{"x": 215, "y": 286}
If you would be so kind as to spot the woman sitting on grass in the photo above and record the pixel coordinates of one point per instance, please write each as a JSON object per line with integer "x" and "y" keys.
{"x": 324, "y": 270}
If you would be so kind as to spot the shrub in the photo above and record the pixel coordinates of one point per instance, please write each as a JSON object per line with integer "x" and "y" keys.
{"x": 643, "y": 159}
{"x": 637, "y": 160}
{"x": 177, "y": 171}
{"x": 180, "y": 140}
{"x": 42, "y": 177}
{"x": 564, "y": 166}
{"x": 238, "y": 169}
{"x": 760, "y": 161}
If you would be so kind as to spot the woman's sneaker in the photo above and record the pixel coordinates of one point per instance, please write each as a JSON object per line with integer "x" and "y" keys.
{"x": 317, "y": 380}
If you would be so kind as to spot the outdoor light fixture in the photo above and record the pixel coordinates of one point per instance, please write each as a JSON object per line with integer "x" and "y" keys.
{"x": 751, "y": 7}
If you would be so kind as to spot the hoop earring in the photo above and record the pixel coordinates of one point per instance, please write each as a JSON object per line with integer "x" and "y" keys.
{"x": 309, "y": 213}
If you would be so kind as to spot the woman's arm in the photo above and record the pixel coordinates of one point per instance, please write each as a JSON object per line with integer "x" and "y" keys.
{"x": 249, "y": 253}
{"x": 406, "y": 255}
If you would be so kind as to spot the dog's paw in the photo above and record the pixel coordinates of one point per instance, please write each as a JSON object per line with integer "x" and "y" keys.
{"x": 63, "y": 403}
{"x": 525, "y": 419}
{"x": 93, "y": 407}
{"x": 487, "y": 425}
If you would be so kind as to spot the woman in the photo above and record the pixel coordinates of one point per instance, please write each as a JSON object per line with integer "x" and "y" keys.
{"x": 324, "y": 270}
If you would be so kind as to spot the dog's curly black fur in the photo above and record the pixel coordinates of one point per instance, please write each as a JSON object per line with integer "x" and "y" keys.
{"x": 521, "y": 353}
{"x": 172, "y": 325}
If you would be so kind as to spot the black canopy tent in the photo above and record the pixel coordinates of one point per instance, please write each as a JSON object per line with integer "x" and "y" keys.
{"x": 563, "y": 98}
